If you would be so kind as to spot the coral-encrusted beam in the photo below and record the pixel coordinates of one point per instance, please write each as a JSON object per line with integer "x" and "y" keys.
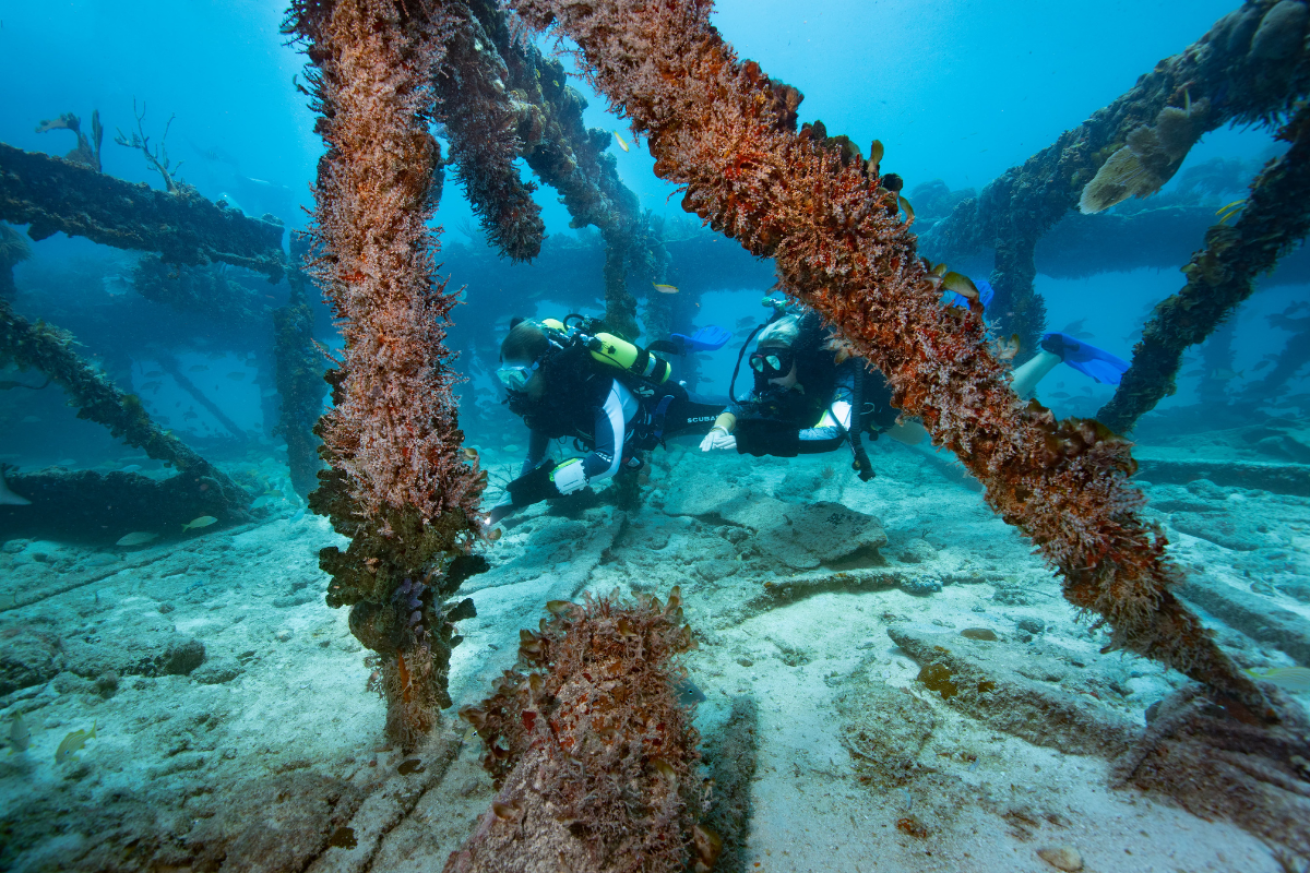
{"x": 480, "y": 124}
{"x": 723, "y": 130}
{"x": 51, "y": 195}
{"x": 593, "y": 755}
{"x": 398, "y": 487}
{"x": 1275, "y": 217}
{"x": 395, "y": 433}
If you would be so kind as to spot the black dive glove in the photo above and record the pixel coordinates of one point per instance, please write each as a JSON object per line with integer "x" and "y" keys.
{"x": 532, "y": 487}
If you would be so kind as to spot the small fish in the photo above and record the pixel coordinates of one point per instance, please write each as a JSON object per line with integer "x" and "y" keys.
{"x": 19, "y": 735}
{"x": 623, "y": 145}
{"x": 131, "y": 468}
{"x": 189, "y": 414}
{"x": 1231, "y": 209}
{"x": 30, "y": 419}
{"x": 470, "y": 453}
{"x": 1058, "y": 394}
{"x": 906, "y": 208}
{"x": 198, "y": 368}
{"x": 237, "y": 376}
{"x": 300, "y": 513}
{"x": 272, "y": 492}
{"x": 961, "y": 285}
{"x": 1225, "y": 375}
{"x": 136, "y": 538}
{"x": 202, "y": 521}
{"x": 1291, "y": 678}
{"x": 9, "y": 498}
{"x": 1195, "y": 373}
{"x": 151, "y": 386}
{"x": 665, "y": 289}
{"x": 1006, "y": 349}
{"x": 688, "y": 694}
{"x": 1073, "y": 327}
{"x": 747, "y": 321}
{"x": 875, "y": 153}
{"x": 74, "y": 741}
{"x": 1261, "y": 366}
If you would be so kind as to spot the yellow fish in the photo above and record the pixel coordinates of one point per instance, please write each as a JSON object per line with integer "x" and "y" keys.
{"x": 74, "y": 741}
{"x": 960, "y": 284}
{"x": 202, "y": 521}
{"x": 623, "y": 145}
{"x": 1291, "y": 678}
{"x": 665, "y": 289}
{"x": 19, "y": 735}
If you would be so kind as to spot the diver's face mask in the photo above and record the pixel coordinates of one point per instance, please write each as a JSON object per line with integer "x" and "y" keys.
{"x": 771, "y": 363}
{"x": 515, "y": 376}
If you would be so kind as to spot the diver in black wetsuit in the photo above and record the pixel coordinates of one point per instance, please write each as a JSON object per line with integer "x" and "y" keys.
{"x": 612, "y": 398}
{"x": 808, "y": 397}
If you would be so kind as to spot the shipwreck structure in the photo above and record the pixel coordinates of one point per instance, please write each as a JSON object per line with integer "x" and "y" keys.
{"x": 1252, "y": 67}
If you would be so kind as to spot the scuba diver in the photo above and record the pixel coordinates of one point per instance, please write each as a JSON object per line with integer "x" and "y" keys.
{"x": 1056, "y": 348}
{"x": 611, "y": 397}
{"x": 810, "y": 395}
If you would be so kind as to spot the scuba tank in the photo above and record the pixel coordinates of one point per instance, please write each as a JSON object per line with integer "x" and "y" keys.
{"x": 610, "y": 350}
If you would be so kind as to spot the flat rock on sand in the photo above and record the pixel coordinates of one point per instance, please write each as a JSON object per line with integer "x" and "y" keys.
{"x": 807, "y": 536}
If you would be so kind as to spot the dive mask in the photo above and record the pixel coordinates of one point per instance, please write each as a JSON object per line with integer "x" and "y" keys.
{"x": 515, "y": 376}
{"x": 771, "y": 363}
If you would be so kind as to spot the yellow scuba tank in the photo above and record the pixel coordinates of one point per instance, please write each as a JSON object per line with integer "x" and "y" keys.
{"x": 613, "y": 351}
{"x": 609, "y": 349}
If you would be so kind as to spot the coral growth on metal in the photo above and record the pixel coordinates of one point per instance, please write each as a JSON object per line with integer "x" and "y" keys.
{"x": 725, "y": 131}
{"x": 592, "y": 753}
{"x": 394, "y": 431}
{"x": 481, "y": 126}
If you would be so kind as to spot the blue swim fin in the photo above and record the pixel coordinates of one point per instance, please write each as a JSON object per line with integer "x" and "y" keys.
{"x": 707, "y": 339}
{"x": 1085, "y": 358}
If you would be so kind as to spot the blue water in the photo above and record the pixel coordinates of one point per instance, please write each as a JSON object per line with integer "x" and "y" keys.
{"x": 956, "y": 90}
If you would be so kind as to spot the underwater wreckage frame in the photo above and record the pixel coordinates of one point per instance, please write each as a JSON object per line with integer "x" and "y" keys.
{"x": 400, "y": 487}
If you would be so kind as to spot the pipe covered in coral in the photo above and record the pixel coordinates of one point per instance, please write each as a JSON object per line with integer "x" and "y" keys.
{"x": 594, "y": 756}
{"x": 1275, "y": 217}
{"x": 481, "y": 128}
{"x": 1250, "y": 67}
{"x": 725, "y": 131}
{"x": 47, "y": 348}
{"x": 398, "y": 485}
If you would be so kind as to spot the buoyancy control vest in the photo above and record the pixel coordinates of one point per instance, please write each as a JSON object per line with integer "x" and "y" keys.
{"x": 577, "y": 371}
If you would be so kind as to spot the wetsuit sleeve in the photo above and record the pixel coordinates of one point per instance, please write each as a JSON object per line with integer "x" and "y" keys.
{"x": 538, "y": 443}
{"x": 611, "y": 430}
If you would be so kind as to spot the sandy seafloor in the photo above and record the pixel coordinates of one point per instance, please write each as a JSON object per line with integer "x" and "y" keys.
{"x": 816, "y": 728}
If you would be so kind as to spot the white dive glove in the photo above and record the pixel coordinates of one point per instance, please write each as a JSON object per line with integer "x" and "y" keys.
{"x": 569, "y": 476}
{"x": 718, "y": 438}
